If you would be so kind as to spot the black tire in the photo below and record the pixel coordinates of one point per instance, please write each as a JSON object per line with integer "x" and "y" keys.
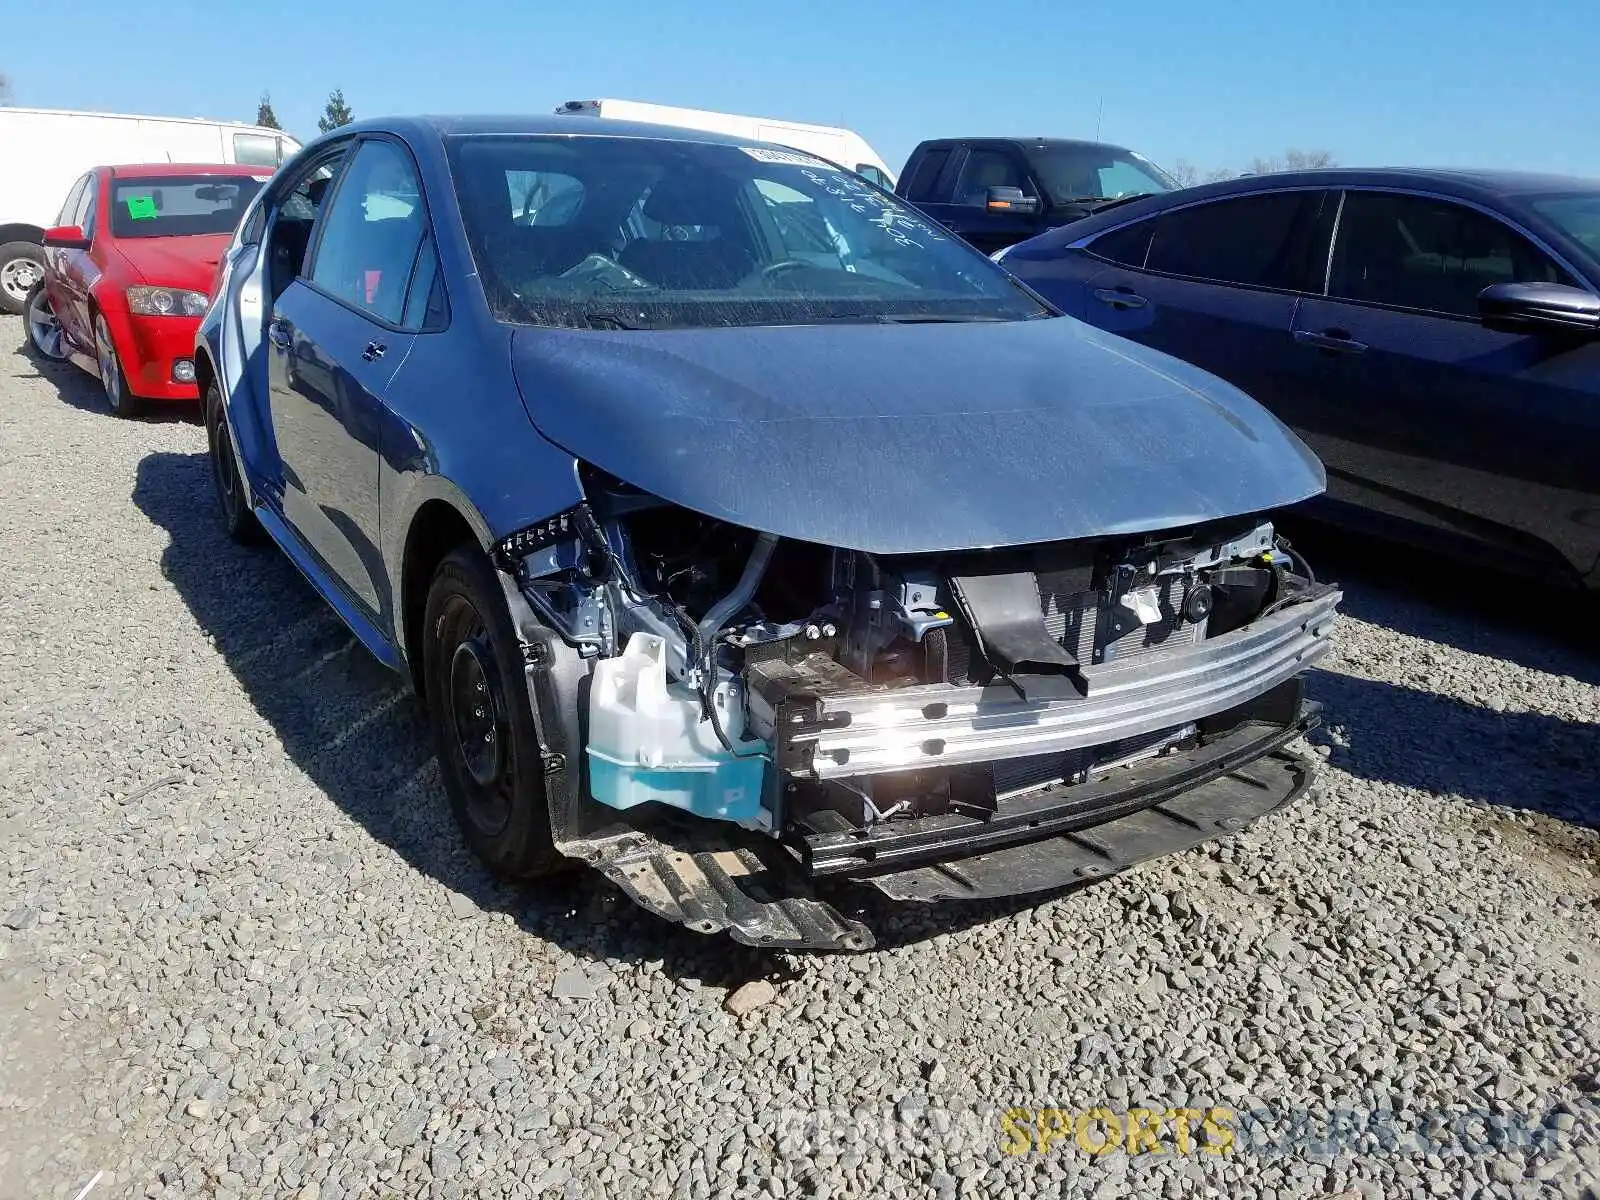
{"x": 20, "y": 264}
{"x": 113, "y": 379}
{"x": 237, "y": 519}
{"x": 45, "y": 338}
{"x": 489, "y": 753}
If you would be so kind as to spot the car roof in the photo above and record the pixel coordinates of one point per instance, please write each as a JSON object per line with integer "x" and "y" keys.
{"x": 568, "y": 124}
{"x": 1489, "y": 188}
{"x": 144, "y": 170}
{"x": 1035, "y": 143}
{"x": 1478, "y": 184}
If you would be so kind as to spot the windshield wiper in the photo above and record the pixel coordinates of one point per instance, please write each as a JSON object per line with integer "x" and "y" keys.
{"x": 1100, "y": 203}
{"x": 606, "y": 320}
{"x": 912, "y": 318}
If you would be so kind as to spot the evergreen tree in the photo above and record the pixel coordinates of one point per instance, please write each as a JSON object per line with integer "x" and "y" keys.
{"x": 336, "y": 114}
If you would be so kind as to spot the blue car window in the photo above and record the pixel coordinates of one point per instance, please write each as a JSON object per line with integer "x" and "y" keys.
{"x": 374, "y": 230}
{"x": 1422, "y": 253}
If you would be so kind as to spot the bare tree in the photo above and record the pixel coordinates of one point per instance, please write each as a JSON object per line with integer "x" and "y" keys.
{"x": 5, "y": 88}
{"x": 1304, "y": 160}
{"x": 1185, "y": 172}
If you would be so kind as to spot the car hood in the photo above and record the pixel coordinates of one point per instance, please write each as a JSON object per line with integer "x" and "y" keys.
{"x": 179, "y": 262}
{"x": 898, "y": 439}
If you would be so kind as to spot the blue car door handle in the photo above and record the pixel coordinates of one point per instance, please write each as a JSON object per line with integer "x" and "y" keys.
{"x": 1337, "y": 340}
{"x": 1120, "y": 297}
{"x": 279, "y": 334}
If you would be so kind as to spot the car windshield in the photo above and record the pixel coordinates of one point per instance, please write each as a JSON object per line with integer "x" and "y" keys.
{"x": 180, "y": 205}
{"x": 1576, "y": 214}
{"x": 1089, "y": 172}
{"x": 629, "y": 232}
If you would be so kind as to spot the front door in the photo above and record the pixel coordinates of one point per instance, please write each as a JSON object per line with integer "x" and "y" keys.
{"x": 965, "y": 210}
{"x": 1423, "y": 415}
{"x": 337, "y": 335}
{"x": 75, "y": 271}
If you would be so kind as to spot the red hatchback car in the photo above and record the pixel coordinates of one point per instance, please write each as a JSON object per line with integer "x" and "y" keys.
{"x": 128, "y": 273}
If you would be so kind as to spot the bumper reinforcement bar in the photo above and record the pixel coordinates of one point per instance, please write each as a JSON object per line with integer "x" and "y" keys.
{"x": 834, "y": 733}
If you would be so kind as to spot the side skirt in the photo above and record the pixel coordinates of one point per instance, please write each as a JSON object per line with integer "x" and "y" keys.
{"x": 367, "y": 633}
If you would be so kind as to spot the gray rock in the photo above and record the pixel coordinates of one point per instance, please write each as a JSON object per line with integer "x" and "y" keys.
{"x": 572, "y": 984}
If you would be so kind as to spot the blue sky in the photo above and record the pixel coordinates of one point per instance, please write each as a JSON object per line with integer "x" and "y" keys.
{"x": 1418, "y": 82}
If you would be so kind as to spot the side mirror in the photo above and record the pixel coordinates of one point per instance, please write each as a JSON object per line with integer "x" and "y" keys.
{"x": 1539, "y": 308}
{"x": 1011, "y": 200}
{"x": 66, "y": 237}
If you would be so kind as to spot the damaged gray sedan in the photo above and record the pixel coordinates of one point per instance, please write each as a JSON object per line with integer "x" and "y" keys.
{"x": 744, "y": 534}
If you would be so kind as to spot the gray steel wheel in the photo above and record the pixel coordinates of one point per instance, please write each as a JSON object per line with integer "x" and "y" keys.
{"x": 44, "y": 331}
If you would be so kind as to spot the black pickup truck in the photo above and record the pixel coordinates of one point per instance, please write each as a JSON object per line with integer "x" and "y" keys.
{"x": 995, "y": 192}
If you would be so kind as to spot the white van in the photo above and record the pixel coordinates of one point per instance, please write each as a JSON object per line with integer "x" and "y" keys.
{"x": 841, "y": 146}
{"x": 42, "y": 151}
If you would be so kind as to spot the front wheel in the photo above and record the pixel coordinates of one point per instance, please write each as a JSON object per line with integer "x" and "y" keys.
{"x": 478, "y": 705}
{"x": 237, "y": 519}
{"x": 113, "y": 379}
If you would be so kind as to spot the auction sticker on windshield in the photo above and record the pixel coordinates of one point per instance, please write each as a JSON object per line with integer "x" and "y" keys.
{"x": 789, "y": 158}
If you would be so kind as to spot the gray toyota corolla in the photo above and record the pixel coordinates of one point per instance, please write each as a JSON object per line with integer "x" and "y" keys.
{"x": 744, "y": 534}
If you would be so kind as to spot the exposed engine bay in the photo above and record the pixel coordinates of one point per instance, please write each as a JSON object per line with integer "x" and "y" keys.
{"x": 866, "y": 710}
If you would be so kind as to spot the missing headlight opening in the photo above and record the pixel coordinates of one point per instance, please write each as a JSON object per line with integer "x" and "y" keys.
{"x": 875, "y": 714}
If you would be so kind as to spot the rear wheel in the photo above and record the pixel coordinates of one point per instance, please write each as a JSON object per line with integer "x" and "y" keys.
{"x": 122, "y": 402}
{"x": 21, "y": 266}
{"x": 489, "y": 752}
{"x": 44, "y": 331}
{"x": 237, "y": 518}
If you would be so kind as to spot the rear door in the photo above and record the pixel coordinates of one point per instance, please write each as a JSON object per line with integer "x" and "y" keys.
{"x": 339, "y": 333}
{"x": 1215, "y": 284}
{"x": 1422, "y": 414}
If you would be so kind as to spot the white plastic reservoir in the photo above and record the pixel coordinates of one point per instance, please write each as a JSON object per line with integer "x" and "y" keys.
{"x": 647, "y": 741}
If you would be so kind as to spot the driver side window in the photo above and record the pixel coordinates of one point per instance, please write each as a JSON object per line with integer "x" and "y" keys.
{"x": 374, "y": 232}
{"x": 290, "y": 239}
{"x": 985, "y": 169}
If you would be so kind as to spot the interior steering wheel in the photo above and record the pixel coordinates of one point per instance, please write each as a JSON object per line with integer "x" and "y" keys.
{"x": 777, "y": 268}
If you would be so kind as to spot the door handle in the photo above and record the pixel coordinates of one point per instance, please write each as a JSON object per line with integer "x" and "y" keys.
{"x": 374, "y": 351}
{"x": 1120, "y": 298}
{"x": 279, "y": 335}
{"x": 1338, "y": 341}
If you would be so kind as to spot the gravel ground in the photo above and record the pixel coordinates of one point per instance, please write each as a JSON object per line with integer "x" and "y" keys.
{"x": 242, "y": 952}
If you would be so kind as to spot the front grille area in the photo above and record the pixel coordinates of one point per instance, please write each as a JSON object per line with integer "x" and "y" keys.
{"x": 1093, "y": 630}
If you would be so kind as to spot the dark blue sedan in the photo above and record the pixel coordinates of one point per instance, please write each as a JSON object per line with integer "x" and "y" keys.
{"x": 1433, "y": 335}
{"x": 741, "y": 529}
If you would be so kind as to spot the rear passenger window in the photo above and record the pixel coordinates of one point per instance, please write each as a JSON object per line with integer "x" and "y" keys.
{"x": 1254, "y": 240}
{"x": 925, "y": 179}
{"x": 1126, "y": 246}
{"x": 1415, "y": 252}
{"x": 373, "y": 233}
{"x": 70, "y": 208}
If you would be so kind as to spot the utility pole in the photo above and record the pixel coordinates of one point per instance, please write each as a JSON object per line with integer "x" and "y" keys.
{"x": 1099, "y": 113}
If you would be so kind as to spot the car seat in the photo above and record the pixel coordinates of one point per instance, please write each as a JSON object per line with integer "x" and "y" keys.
{"x": 708, "y": 263}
